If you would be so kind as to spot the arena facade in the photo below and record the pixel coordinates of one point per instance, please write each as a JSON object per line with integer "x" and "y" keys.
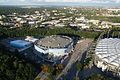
{"x": 55, "y": 45}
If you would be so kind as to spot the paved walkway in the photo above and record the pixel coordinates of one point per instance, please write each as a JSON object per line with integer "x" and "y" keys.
{"x": 42, "y": 76}
{"x": 80, "y": 48}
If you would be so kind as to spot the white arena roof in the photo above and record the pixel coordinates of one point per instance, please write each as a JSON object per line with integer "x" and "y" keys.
{"x": 108, "y": 50}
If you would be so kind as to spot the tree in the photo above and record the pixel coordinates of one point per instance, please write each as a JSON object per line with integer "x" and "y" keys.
{"x": 58, "y": 68}
{"x": 45, "y": 68}
{"x": 98, "y": 77}
{"x": 79, "y": 66}
{"x": 13, "y": 68}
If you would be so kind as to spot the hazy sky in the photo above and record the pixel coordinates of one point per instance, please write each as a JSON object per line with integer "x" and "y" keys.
{"x": 44, "y": 1}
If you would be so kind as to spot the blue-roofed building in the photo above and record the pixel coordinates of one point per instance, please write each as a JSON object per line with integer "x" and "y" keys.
{"x": 20, "y": 44}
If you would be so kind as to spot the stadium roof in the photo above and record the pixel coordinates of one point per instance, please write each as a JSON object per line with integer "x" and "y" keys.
{"x": 108, "y": 50}
{"x": 19, "y": 43}
{"x": 54, "y": 42}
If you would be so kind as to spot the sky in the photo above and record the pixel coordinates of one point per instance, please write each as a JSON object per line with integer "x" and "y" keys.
{"x": 19, "y": 2}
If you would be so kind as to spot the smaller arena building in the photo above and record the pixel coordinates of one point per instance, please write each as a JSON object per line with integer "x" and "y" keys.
{"x": 54, "y": 45}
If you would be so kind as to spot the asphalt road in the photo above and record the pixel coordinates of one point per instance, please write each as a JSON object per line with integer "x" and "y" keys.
{"x": 80, "y": 48}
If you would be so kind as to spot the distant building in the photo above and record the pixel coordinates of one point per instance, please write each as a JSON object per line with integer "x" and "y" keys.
{"x": 116, "y": 10}
{"x": 0, "y": 17}
{"x": 95, "y": 22}
{"x": 85, "y": 27}
{"x": 31, "y": 39}
{"x": 1, "y": 22}
{"x": 105, "y": 24}
{"x": 81, "y": 19}
{"x": 115, "y": 24}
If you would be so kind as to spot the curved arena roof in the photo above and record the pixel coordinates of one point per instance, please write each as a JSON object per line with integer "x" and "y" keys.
{"x": 54, "y": 42}
{"x": 108, "y": 50}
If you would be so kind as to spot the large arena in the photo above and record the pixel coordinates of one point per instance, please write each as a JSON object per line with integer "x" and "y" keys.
{"x": 55, "y": 45}
{"x": 107, "y": 55}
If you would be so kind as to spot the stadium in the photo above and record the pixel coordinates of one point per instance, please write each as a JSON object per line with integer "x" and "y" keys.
{"x": 107, "y": 55}
{"x": 54, "y": 45}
